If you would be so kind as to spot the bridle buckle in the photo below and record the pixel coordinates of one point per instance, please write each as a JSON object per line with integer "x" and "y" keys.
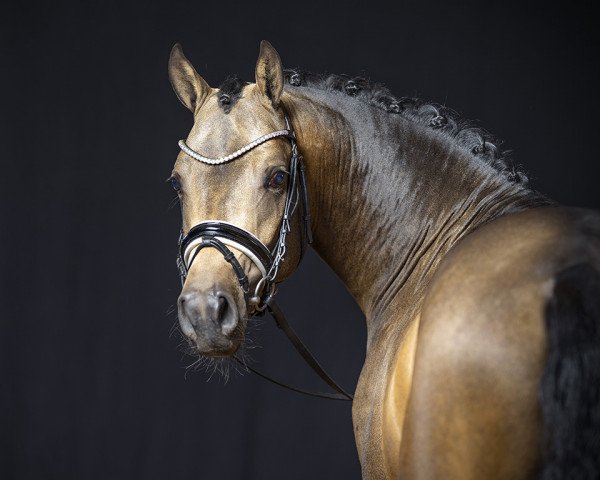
{"x": 259, "y": 299}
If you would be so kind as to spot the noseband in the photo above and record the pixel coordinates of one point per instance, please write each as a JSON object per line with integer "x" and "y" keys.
{"x": 221, "y": 235}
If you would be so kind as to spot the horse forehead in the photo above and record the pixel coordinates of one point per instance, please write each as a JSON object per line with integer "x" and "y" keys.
{"x": 247, "y": 119}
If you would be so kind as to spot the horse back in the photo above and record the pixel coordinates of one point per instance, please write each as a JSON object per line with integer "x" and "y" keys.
{"x": 483, "y": 346}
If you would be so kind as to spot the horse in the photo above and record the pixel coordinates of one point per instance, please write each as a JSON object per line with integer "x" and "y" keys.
{"x": 481, "y": 296}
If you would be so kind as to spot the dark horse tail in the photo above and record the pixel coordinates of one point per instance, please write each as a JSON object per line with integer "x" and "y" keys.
{"x": 570, "y": 387}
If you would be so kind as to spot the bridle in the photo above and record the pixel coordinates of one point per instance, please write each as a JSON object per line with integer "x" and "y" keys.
{"x": 221, "y": 235}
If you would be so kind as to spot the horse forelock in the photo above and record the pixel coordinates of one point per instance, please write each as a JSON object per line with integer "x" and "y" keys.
{"x": 230, "y": 91}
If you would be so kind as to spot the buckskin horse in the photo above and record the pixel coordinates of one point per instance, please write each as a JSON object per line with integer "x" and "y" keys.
{"x": 481, "y": 296}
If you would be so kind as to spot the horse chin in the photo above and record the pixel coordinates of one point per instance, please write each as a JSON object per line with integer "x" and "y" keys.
{"x": 216, "y": 344}
{"x": 223, "y": 349}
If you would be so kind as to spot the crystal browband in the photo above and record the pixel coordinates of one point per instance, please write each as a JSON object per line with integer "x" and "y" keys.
{"x": 237, "y": 153}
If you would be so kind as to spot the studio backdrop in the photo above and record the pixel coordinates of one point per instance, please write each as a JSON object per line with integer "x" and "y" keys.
{"x": 94, "y": 384}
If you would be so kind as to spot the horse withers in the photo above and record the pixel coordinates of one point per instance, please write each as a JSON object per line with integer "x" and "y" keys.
{"x": 481, "y": 296}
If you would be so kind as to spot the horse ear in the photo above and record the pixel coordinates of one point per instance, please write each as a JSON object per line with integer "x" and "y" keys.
{"x": 269, "y": 74}
{"x": 190, "y": 88}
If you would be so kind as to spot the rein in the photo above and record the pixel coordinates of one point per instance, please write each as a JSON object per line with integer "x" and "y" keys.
{"x": 221, "y": 235}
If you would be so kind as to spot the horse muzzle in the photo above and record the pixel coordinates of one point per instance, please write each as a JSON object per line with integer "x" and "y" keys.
{"x": 211, "y": 320}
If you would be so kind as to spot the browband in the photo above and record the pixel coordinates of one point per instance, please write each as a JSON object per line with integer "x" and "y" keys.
{"x": 238, "y": 153}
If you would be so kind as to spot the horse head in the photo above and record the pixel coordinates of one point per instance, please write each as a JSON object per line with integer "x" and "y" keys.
{"x": 237, "y": 179}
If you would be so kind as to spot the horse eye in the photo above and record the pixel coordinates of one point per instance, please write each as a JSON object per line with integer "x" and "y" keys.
{"x": 175, "y": 184}
{"x": 277, "y": 179}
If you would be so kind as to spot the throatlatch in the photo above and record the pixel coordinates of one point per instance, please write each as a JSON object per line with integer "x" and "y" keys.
{"x": 222, "y": 235}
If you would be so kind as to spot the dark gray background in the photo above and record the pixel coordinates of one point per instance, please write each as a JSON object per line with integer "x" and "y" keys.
{"x": 92, "y": 385}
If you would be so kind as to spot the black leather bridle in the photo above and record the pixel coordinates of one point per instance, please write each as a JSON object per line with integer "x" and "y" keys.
{"x": 221, "y": 235}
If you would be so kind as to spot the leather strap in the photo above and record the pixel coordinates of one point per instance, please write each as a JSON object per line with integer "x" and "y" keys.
{"x": 226, "y": 230}
{"x": 307, "y": 230}
{"x": 301, "y": 348}
{"x": 229, "y": 257}
{"x": 310, "y": 393}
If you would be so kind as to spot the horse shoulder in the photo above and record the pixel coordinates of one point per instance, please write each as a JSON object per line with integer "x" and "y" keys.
{"x": 481, "y": 349}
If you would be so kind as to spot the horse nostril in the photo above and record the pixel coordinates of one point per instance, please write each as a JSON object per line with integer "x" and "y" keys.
{"x": 226, "y": 315}
{"x": 222, "y": 308}
{"x": 186, "y": 317}
{"x": 202, "y": 312}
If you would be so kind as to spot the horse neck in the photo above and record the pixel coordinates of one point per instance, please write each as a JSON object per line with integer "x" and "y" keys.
{"x": 388, "y": 196}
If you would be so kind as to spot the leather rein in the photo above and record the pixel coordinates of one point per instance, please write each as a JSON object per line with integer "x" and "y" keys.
{"x": 221, "y": 235}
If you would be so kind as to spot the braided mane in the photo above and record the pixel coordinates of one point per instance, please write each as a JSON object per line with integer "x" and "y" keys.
{"x": 475, "y": 140}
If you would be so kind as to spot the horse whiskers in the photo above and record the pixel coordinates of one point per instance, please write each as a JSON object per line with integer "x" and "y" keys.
{"x": 194, "y": 365}
{"x": 222, "y": 366}
{"x": 174, "y": 330}
{"x": 171, "y": 310}
{"x": 250, "y": 343}
{"x": 211, "y": 365}
{"x": 241, "y": 366}
{"x": 174, "y": 202}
